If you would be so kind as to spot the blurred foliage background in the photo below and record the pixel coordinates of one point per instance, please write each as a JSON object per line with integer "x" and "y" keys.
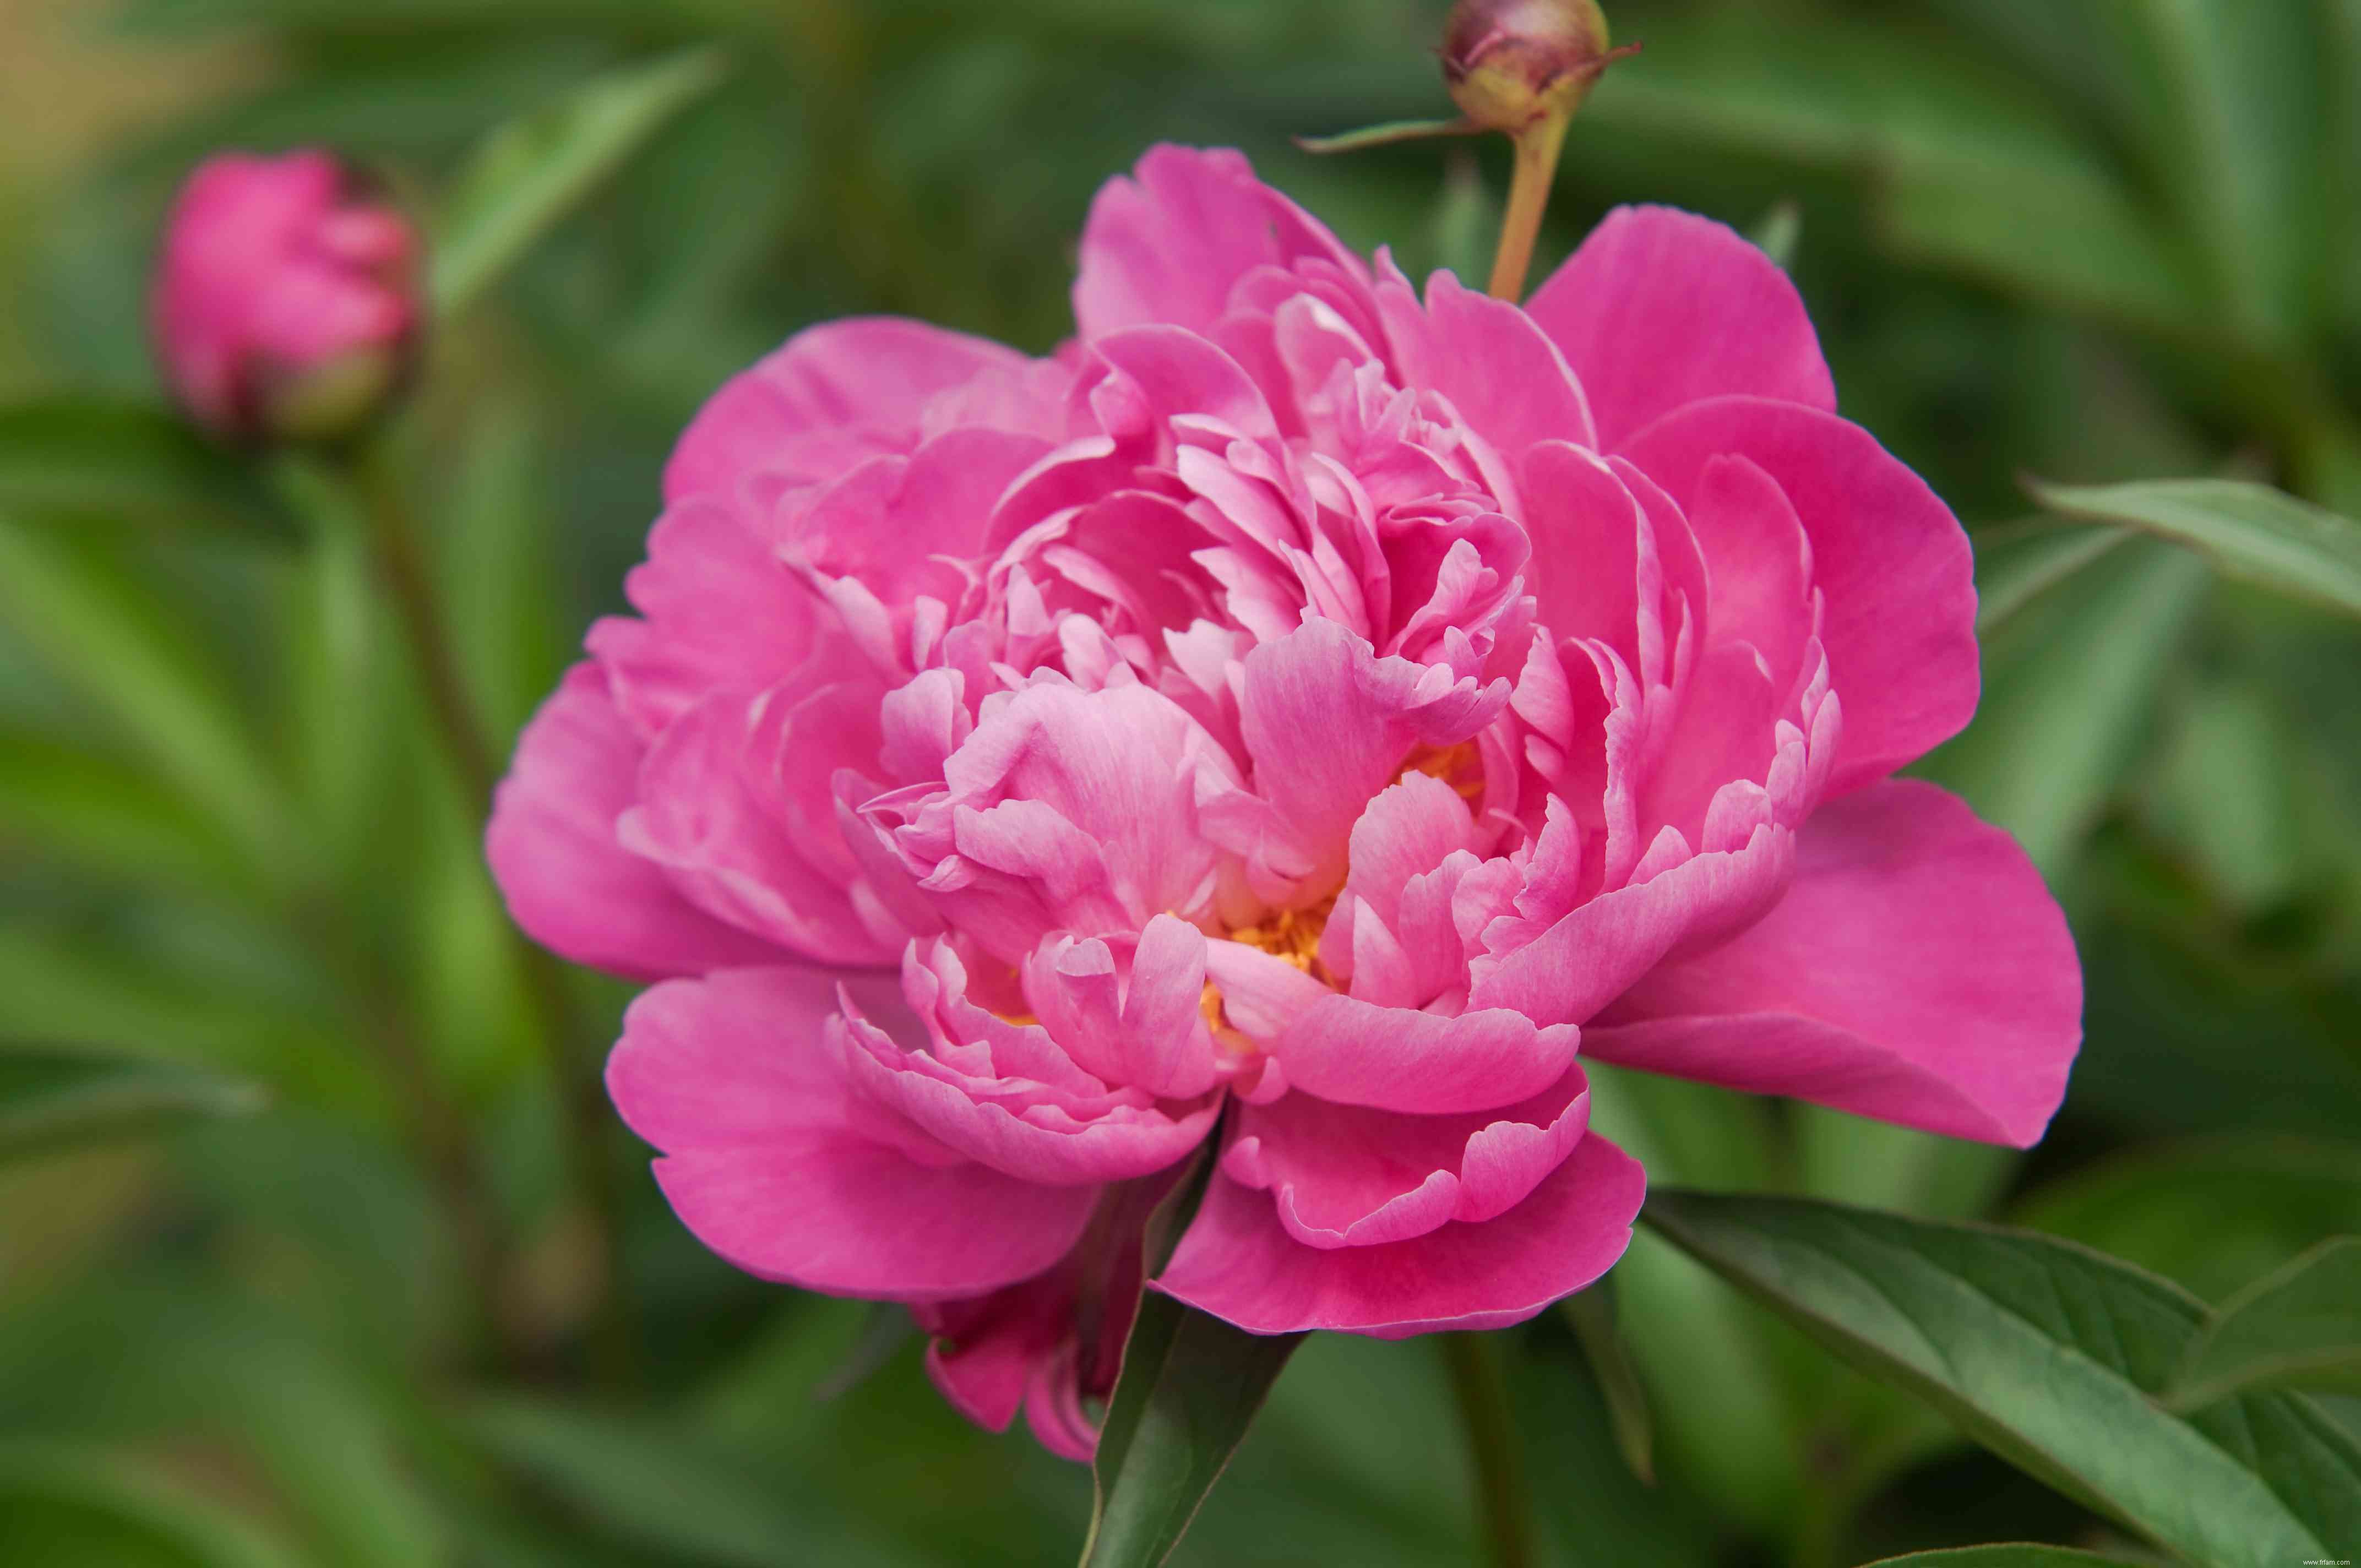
{"x": 361, "y": 1271}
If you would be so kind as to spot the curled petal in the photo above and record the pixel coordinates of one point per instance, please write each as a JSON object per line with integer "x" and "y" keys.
{"x": 1393, "y": 1059}
{"x": 1238, "y": 1261}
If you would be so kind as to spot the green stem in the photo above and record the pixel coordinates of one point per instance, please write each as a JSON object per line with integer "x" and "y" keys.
{"x": 1538, "y": 145}
{"x": 1482, "y": 1387}
{"x": 401, "y": 564}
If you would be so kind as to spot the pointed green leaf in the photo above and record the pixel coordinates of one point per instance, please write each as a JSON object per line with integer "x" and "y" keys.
{"x": 137, "y": 461}
{"x": 50, "y": 1101}
{"x": 2252, "y": 531}
{"x": 2024, "y": 1555}
{"x": 2019, "y": 562}
{"x": 1387, "y": 134}
{"x": 2264, "y": 1199}
{"x": 532, "y": 171}
{"x": 1191, "y": 1384}
{"x": 2069, "y": 684}
{"x": 2052, "y": 1356}
{"x": 1592, "y": 1314}
{"x": 2298, "y": 1327}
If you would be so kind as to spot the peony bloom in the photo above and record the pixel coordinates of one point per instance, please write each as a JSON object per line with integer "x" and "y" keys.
{"x": 1299, "y": 713}
{"x": 283, "y": 302}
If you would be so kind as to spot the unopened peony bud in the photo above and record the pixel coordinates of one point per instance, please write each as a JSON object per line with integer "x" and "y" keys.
{"x": 1512, "y": 63}
{"x": 285, "y": 305}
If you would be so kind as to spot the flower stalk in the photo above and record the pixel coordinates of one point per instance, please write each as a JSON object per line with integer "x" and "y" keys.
{"x": 1503, "y": 1502}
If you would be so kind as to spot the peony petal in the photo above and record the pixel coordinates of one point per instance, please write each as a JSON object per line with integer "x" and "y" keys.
{"x": 771, "y": 1161}
{"x": 1393, "y": 1059}
{"x": 722, "y": 614}
{"x": 1916, "y": 971}
{"x": 1597, "y": 952}
{"x": 873, "y": 375}
{"x": 1661, "y": 308}
{"x": 1342, "y": 1176}
{"x": 552, "y": 850}
{"x": 1892, "y": 561}
{"x": 1168, "y": 245}
{"x": 1238, "y": 1261}
{"x": 835, "y": 1213}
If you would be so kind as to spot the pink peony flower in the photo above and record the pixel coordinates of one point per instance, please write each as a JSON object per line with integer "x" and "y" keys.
{"x": 283, "y": 302}
{"x": 1298, "y": 713}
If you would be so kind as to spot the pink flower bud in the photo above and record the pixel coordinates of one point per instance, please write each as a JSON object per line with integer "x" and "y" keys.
{"x": 284, "y": 306}
{"x": 1512, "y": 62}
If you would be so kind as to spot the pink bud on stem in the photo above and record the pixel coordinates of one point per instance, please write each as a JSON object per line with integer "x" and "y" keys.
{"x": 285, "y": 305}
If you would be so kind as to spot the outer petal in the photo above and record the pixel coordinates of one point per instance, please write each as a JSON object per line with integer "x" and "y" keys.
{"x": 872, "y": 375}
{"x": 1916, "y": 971}
{"x": 1661, "y": 308}
{"x": 1892, "y": 560}
{"x": 1238, "y": 1262}
{"x": 1167, "y": 244}
{"x": 553, "y": 849}
{"x": 769, "y": 1163}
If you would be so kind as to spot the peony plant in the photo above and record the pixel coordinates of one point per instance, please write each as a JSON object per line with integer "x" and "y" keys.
{"x": 1301, "y": 719}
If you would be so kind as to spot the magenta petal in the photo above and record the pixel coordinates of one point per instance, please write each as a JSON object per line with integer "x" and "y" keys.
{"x": 553, "y": 849}
{"x": 1595, "y": 954}
{"x": 1917, "y": 971}
{"x": 1661, "y": 308}
{"x": 1889, "y": 556}
{"x": 1238, "y": 1261}
{"x": 1167, "y": 244}
{"x": 1343, "y": 1175}
{"x": 872, "y": 375}
{"x": 1394, "y": 1058}
{"x": 835, "y": 1213}
{"x": 770, "y": 1160}
{"x": 1035, "y": 1138}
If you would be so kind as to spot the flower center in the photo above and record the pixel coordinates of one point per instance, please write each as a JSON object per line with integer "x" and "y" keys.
{"x": 1460, "y": 766}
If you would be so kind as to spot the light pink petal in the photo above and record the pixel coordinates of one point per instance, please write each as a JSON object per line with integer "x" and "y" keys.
{"x": 1167, "y": 244}
{"x": 1599, "y": 951}
{"x": 1916, "y": 971}
{"x": 1407, "y": 831}
{"x": 1342, "y": 1176}
{"x": 873, "y": 375}
{"x": 1238, "y": 1261}
{"x": 1890, "y": 557}
{"x": 731, "y": 1060}
{"x": 1661, "y": 308}
{"x": 1761, "y": 592}
{"x": 1393, "y": 1059}
{"x": 553, "y": 849}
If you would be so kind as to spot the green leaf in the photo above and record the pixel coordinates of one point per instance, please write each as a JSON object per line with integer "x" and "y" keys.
{"x": 2019, "y": 562}
{"x": 65, "y": 1505}
{"x": 532, "y": 171}
{"x": 89, "y": 457}
{"x": 2298, "y": 1328}
{"x": 2069, "y": 685}
{"x": 2264, "y": 1199}
{"x": 1592, "y": 1314}
{"x": 1190, "y": 1386}
{"x": 1387, "y": 134}
{"x": 2011, "y": 1556}
{"x": 2050, "y": 1355}
{"x": 105, "y": 633}
{"x": 50, "y": 1101}
{"x": 2251, "y": 532}
{"x": 665, "y": 1487}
